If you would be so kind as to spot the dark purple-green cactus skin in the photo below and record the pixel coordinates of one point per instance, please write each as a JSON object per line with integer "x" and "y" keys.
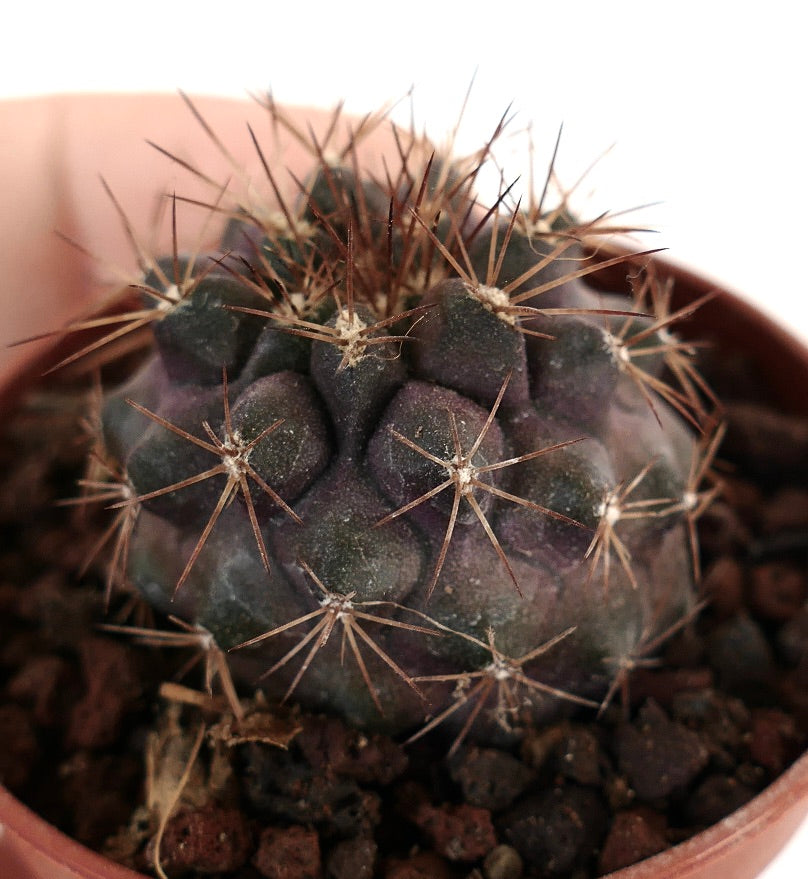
{"x": 412, "y": 457}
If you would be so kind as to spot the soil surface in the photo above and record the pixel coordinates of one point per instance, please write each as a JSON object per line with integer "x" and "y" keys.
{"x": 120, "y": 745}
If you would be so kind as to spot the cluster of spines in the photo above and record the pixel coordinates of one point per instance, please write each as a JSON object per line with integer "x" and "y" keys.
{"x": 429, "y": 228}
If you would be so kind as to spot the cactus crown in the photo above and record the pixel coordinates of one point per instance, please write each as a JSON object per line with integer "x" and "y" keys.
{"x": 395, "y": 453}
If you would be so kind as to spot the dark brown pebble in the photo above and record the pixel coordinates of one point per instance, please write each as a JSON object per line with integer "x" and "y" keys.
{"x": 752, "y": 775}
{"x": 14, "y": 564}
{"x": 664, "y": 685}
{"x": 618, "y": 792}
{"x": 46, "y": 683}
{"x": 742, "y": 658}
{"x": 63, "y": 615}
{"x": 97, "y": 792}
{"x": 579, "y": 756}
{"x": 754, "y": 431}
{"x": 288, "y": 853}
{"x": 792, "y": 639}
{"x": 282, "y": 786}
{"x": 557, "y": 831}
{"x": 744, "y": 496}
{"x": 490, "y": 778}
{"x": 722, "y": 721}
{"x": 723, "y": 586}
{"x": 9, "y": 593}
{"x": 794, "y": 693}
{"x": 540, "y": 745}
{"x": 352, "y": 859}
{"x": 49, "y": 590}
{"x": 778, "y": 590}
{"x": 112, "y": 690}
{"x": 715, "y": 798}
{"x": 329, "y": 745}
{"x": 21, "y": 644}
{"x": 685, "y": 649}
{"x": 775, "y": 741}
{"x": 659, "y": 756}
{"x": 20, "y": 749}
{"x": 722, "y": 531}
{"x": 786, "y": 510}
{"x": 67, "y": 548}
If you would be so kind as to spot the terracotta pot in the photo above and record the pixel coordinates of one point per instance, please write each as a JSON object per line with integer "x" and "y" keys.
{"x": 739, "y": 846}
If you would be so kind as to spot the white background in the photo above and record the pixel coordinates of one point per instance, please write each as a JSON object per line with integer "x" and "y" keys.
{"x": 705, "y": 102}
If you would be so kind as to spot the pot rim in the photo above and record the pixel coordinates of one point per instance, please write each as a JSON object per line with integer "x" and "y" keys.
{"x": 779, "y": 808}
{"x": 29, "y": 840}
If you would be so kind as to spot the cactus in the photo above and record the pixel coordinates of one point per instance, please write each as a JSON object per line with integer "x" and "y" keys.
{"x": 395, "y": 456}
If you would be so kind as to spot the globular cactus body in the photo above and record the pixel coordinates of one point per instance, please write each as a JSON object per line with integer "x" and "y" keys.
{"x": 415, "y": 461}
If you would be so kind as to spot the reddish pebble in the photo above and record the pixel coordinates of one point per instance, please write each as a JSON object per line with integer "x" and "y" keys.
{"x": 635, "y": 834}
{"x": 775, "y": 741}
{"x": 459, "y": 833}
{"x": 288, "y": 853}
{"x": 424, "y": 865}
{"x": 209, "y": 840}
